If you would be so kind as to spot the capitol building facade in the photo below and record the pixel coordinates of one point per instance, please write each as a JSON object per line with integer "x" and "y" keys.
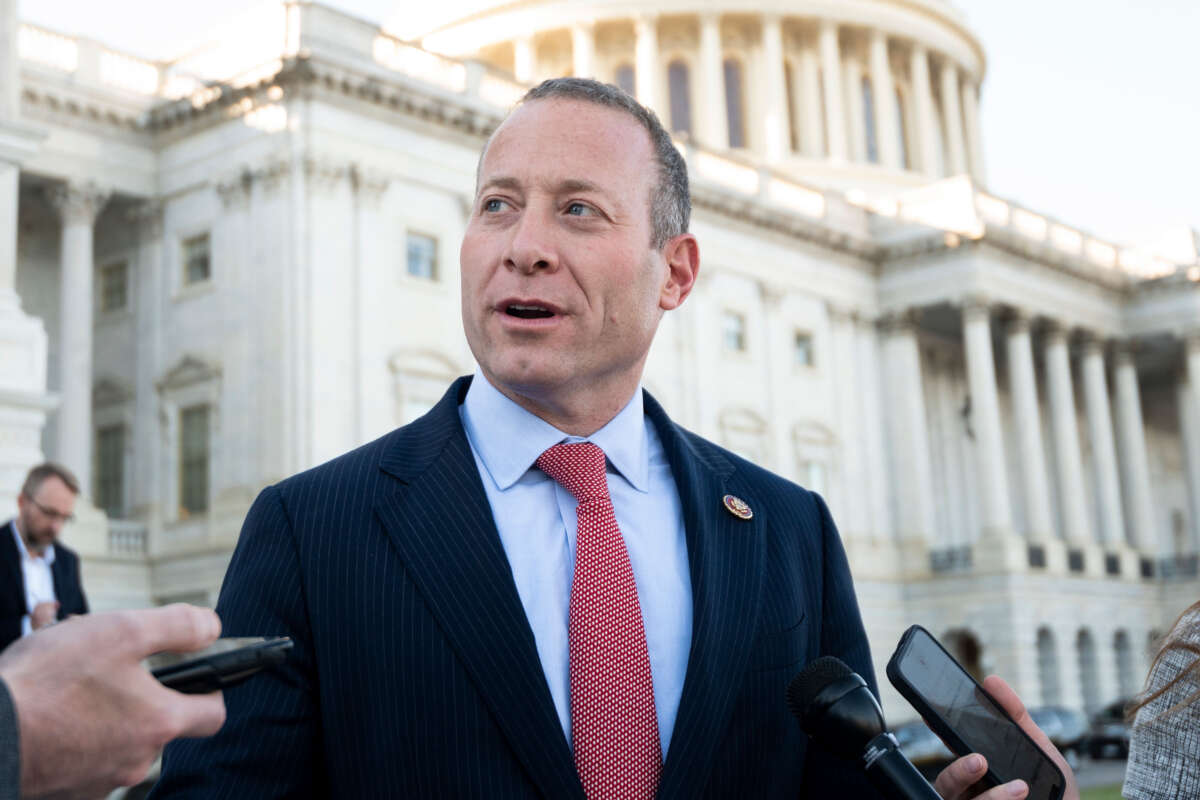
{"x": 223, "y": 269}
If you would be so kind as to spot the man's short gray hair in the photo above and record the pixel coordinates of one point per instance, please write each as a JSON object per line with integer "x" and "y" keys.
{"x": 670, "y": 199}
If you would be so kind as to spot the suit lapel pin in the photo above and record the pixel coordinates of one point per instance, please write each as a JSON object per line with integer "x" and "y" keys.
{"x": 737, "y": 506}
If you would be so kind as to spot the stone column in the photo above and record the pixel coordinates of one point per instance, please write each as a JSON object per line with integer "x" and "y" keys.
{"x": 713, "y": 130}
{"x": 998, "y": 547}
{"x": 524, "y": 57}
{"x": 776, "y": 122}
{"x": 646, "y": 49}
{"x": 1133, "y": 451}
{"x": 1104, "y": 452}
{"x": 831, "y": 72}
{"x": 871, "y": 410}
{"x": 1023, "y": 385}
{"x": 583, "y": 50}
{"x": 856, "y": 122}
{"x": 970, "y": 110}
{"x": 812, "y": 134}
{"x": 78, "y": 207}
{"x": 1192, "y": 365}
{"x": 1186, "y": 402}
{"x": 909, "y": 434}
{"x": 923, "y": 113}
{"x": 1066, "y": 438}
{"x": 147, "y": 492}
{"x": 10, "y": 97}
{"x": 853, "y": 513}
{"x": 956, "y": 162}
{"x": 883, "y": 95}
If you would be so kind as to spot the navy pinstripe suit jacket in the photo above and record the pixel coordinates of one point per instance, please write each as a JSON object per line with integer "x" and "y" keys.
{"x": 415, "y": 672}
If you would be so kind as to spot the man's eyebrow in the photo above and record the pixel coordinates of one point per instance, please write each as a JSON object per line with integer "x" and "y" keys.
{"x": 501, "y": 182}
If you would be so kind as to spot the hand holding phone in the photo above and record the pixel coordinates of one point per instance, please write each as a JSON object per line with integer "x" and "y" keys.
{"x": 225, "y": 663}
{"x": 967, "y": 718}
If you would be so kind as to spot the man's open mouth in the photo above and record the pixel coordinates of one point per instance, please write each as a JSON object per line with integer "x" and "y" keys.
{"x": 528, "y": 312}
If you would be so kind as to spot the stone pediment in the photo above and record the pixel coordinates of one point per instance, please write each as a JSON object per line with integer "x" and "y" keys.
{"x": 189, "y": 371}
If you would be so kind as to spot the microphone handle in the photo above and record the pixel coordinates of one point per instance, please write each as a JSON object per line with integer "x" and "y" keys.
{"x": 893, "y": 774}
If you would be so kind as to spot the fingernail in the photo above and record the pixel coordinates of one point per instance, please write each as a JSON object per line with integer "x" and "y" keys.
{"x": 1017, "y": 789}
{"x": 975, "y": 764}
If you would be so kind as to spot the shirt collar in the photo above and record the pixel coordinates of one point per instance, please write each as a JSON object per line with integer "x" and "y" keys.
{"x": 509, "y": 439}
{"x": 47, "y": 556}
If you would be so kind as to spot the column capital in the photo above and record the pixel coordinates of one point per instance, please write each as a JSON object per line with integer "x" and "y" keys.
{"x": 977, "y": 305}
{"x": 772, "y": 295}
{"x": 839, "y": 312}
{"x": 148, "y": 217}
{"x": 369, "y": 184}
{"x": 1124, "y": 350}
{"x": 1056, "y": 330}
{"x": 1091, "y": 341}
{"x": 1018, "y": 320}
{"x": 906, "y": 321}
{"x": 78, "y": 204}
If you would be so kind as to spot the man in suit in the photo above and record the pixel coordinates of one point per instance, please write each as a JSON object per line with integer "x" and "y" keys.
{"x": 544, "y": 587}
{"x": 41, "y": 584}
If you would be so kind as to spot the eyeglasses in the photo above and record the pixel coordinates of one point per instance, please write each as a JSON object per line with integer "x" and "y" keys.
{"x": 50, "y": 512}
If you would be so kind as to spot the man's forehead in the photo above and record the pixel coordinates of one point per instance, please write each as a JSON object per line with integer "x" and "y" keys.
{"x": 567, "y": 123}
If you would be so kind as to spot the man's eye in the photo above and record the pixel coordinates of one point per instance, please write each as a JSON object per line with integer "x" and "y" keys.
{"x": 493, "y": 205}
{"x": 579, "y": 210}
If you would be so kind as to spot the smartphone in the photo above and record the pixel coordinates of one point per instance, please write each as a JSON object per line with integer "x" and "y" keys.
{"x": 967, "y": 718}
{"x": 225, "y": 663}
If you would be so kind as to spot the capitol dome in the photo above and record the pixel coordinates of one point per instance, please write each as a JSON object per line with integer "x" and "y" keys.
{"x": 845, "y": 94}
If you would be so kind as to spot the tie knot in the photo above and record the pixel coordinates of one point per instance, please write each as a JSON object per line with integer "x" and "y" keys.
{"x": 578, "y": 468}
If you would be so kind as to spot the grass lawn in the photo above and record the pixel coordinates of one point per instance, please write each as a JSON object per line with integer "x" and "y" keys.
{"x": 1102, "y": 793}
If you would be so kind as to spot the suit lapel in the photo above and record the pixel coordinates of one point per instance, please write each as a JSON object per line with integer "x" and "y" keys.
{"x": 14, "y": 575}
{"x": 725, "y": 554}
{"x": 440, "y": 521}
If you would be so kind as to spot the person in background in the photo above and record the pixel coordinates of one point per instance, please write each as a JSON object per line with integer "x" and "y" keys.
{"x": 1164, "y": 743}
{"x": 79, "y": 713}
{"x": 39, "y": 576}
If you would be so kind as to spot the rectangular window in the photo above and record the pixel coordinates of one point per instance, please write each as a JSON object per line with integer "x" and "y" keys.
{"x": 114, "y": 286}
{"x": 422, "y": 256}
{"x": 802, "y": 348}
{"x": 197, "y": 259}
{"x": 733, "y": 331}
{"x": 109, "y": 479}
{"x": 193, "y": 460}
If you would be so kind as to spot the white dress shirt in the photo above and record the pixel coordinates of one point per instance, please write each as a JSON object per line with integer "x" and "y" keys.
{"x": 39, "y": 580}
{"x": 536, "y": 520}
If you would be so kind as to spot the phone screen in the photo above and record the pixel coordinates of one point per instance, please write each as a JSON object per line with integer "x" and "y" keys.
{"x": 954, "y": 696}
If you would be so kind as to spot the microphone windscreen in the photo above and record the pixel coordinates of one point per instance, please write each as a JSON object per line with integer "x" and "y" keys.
{"x": 811, "y": 680}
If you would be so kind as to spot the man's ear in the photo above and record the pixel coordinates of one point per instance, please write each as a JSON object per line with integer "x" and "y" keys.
{"x": 682, "y": 256}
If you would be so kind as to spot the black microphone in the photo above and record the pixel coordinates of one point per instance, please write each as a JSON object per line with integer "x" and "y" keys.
{"x": 836, "y": 708}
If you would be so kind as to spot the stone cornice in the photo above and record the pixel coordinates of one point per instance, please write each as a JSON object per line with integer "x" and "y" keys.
{"x": 1043, "y": 254}
{"x": 759, "y": 214}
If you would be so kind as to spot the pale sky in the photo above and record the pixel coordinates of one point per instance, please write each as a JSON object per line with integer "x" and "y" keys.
{"x": 1091, "y": 110}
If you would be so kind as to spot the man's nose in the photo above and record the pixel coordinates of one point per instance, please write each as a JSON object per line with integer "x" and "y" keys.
{"x": 532, "y": 247}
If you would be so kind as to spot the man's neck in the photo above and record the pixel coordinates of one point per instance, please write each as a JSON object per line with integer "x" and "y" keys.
{"x": 576, "y": 414}
{"x": 31, "y": 547}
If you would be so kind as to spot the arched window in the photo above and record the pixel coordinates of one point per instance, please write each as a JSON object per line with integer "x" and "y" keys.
{"x": 789, "y": 82}
{"x": 627, "y": 79}
{"x": 872, "y": 130}
{"x": 679, "y": 84}
{"x": 902, "y": 130}
{"x": 1126, "y": 679}
{"x": 1085, "y": 649}
{"x": 1047, "y": 661}
{"x": 735, "y": 103}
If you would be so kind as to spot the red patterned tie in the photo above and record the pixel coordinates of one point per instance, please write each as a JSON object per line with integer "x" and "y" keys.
{"x": 613, "y": 722}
